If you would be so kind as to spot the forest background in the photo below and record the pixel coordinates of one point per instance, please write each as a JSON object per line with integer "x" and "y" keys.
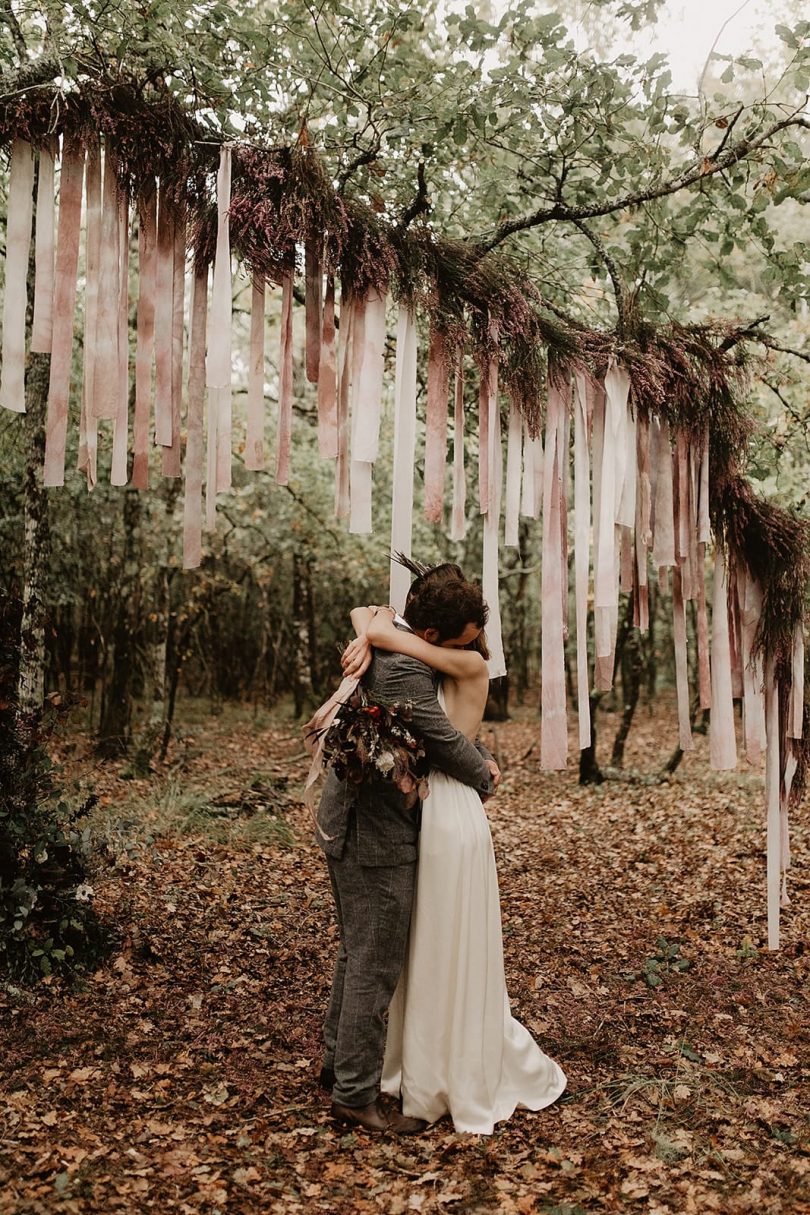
{"x": 179, "y": 1072}
{"x": 506, "y": 113}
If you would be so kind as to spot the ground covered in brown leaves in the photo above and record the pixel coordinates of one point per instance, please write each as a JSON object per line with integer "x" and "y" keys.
{"x": 181, "y": 1076}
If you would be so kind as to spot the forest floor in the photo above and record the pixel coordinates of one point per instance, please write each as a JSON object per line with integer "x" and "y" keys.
{"x": 180, "y": 1077}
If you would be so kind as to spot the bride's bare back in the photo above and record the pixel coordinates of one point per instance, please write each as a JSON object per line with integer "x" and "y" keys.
{"x": 465, "y": 700}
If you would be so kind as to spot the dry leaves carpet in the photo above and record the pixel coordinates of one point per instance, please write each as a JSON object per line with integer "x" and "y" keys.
{"x": 180, "y": 1078}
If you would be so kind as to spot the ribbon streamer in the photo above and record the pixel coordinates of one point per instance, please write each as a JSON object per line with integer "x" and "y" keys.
{"x": 796, "y": 704}
{"x": 617, "y": 385}
{"x": 582, "y": 551}
{"x": 750, "y": 596}
{"x": 553, "y": 727}
{"x": 192, "y": 498}
{"x": 88, "y": 429}
{"x": 368, "y": 360}
{"x": 368, "y": 364}
{"x": 285, "y": 385}
{"x": 64, "y": 305}
{"x": 118, "y": 470}
{"x": 18, "y": 244}
{"x": 483, "y": 443}
{"x": 103, "y": 402}
{"x": 497, "y": 662}
{"x": 312, "y": 299}
{"x": 514, "y": 457}
{"x": 342, "y": 504}
{"x": 42, "y": 326}
{"x": 436, "y": 426}
{"x": 681, "y": 664}
{"x": 218, "y": 366}
{"x": 171, "y": 453}
{"x": 145, "y": 340}
{"x": 704, "y": 666}
{"x": 164, "y": 319}
{"x": 722, "y": 743}
{"x": 404, "y": 453}
{"x": 254, "y": 446}
{"x": 327, "y": 379}
{"x": 458, "y": 526}
{"x": 773, "y": 804}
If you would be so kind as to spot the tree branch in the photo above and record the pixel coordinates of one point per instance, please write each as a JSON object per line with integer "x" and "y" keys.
{"x": 16, "y": 32}
{"x": 39, "y": 72}
{"x": 366, "y": 157}
{"x": 764, "y": 340}
{"x": 697, "y": 172}
{"x": 420, "y": 204}
{"x": 613, "y": 271}
{"x": 743, "y": 332}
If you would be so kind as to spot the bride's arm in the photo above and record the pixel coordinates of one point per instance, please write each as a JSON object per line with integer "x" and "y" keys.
{"x": 356, "y": 658}
{"x": 459, "y": 664}
{"x": 361, "y": 618}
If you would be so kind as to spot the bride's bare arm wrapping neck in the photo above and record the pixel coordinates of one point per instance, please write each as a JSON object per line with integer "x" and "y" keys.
{"x": 466, "y": 681}
{"x": 458, "y": 664}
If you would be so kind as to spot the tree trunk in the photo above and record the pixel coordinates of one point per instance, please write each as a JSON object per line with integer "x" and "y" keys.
{"x": 31, "y": 685}
{"x": 497, "y": 706}
{"x": 155, "y": 653}
{"x": 115, "y": 728}
{"x": 302, "y": 632}
{"x": 631, "y": 686}
{"x": 589, "y": 770}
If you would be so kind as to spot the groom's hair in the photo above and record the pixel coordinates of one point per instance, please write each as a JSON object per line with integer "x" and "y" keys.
{"x": 442, "y": 599}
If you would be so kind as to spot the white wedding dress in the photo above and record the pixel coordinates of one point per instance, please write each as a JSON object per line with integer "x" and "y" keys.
{"x": 453, "y": 1045}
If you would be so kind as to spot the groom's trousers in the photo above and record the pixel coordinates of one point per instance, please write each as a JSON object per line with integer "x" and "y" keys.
{"x": 374, "y": 909}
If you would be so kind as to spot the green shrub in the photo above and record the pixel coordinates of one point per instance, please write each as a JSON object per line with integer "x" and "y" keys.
{"x": 48, "y": 922}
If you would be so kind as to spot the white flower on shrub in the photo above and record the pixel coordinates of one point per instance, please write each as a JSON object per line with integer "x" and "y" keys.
{"x": 41, "y": 857}
{"x": 84, "y": 893}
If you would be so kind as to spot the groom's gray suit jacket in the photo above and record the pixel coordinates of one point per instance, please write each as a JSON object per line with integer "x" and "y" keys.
{"x": 386, "y": 830}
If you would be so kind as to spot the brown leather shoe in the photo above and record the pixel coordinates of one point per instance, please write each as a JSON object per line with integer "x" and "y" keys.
{"x": 375, "y": 1117}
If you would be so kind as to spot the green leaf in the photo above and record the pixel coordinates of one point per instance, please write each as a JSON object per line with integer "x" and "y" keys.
{"x": 787, "y": 36}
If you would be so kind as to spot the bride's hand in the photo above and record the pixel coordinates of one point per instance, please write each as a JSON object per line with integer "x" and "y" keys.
{"x": 356, "y": 658}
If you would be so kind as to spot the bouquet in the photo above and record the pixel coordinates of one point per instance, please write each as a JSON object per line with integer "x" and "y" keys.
{"x": 369, "y": 738}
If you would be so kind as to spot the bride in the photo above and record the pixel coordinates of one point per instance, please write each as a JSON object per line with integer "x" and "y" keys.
{"x": 453, "y": 1045}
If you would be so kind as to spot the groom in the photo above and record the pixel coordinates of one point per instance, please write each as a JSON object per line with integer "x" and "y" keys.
{"x": 369, "y": 838}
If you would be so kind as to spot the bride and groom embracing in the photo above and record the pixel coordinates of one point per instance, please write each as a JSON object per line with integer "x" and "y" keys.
{"x": 416, "y": 892}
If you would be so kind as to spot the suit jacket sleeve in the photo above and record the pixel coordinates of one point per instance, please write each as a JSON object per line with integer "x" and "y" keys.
{"x": 445, "y": 747}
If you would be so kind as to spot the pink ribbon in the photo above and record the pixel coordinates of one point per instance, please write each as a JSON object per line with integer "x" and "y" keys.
{"x": 171, "y": 453}
{"x": 42, "y": 327}
{"x": 86, "y": 460}
{"x": 145, "y": 342}
{"x": 327, "y": 379}
{"x": 118, "y": 469}
{"x": 436, "y": 427}
{"x": 254, "y": 445}
{"x": 64, "y": 305}
{"x": 458, "y": 526}
{"x": 582, "y": 551}
{"x": 192, "y": 498}
{"x": 104, "y": 400}
{"x": 554, "y": 729}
